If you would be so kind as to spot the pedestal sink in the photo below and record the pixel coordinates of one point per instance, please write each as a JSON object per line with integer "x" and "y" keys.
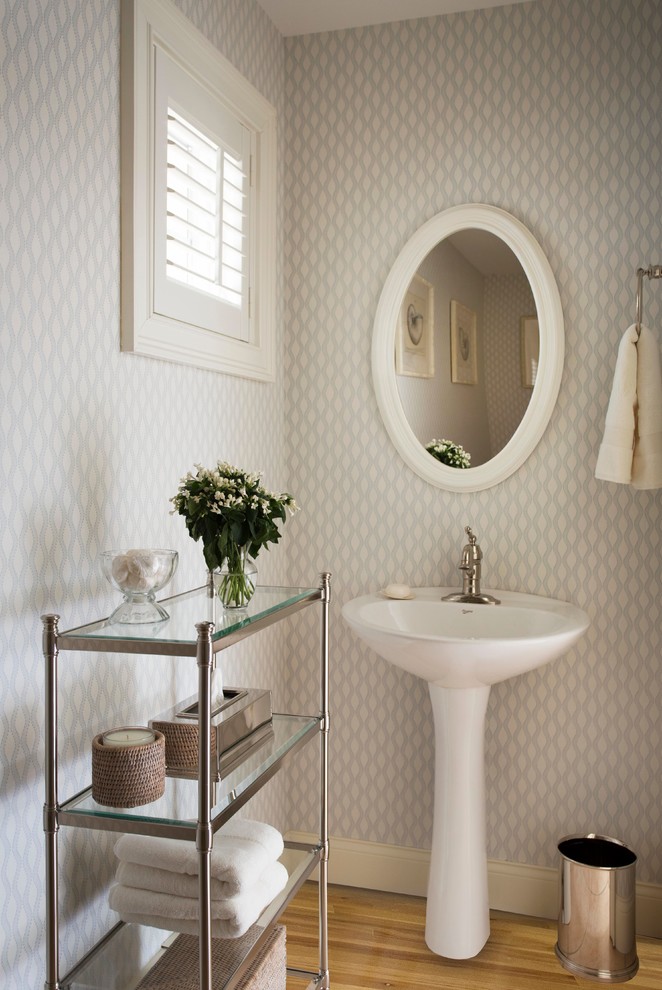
{"x": 461, "y": 650}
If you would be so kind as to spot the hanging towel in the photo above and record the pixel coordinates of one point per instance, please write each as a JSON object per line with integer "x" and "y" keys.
{"x": 647, "y": 461}
{"x": 631, "y": 449}
{"x": 241, "y": 852}
{"x": 231, "y": 916}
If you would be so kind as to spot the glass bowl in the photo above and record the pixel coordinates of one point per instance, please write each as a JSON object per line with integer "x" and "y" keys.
{"x": 139, "y": 574}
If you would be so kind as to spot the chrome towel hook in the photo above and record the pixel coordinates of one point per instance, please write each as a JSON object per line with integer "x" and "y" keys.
{"x": 653, "y": 271}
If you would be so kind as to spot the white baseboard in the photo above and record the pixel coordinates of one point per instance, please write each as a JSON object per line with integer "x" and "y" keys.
{"x": 514, "y": 887}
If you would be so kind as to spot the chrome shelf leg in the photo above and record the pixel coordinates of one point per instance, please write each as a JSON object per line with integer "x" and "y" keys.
{"x": 204, "y": 838}
{"x": 324, "y": 784}
{"x": 50, "y": 651}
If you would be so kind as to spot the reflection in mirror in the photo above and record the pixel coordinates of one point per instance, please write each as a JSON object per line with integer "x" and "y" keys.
{"x": 398, "y": 329}
{"x": 467, "y": 347}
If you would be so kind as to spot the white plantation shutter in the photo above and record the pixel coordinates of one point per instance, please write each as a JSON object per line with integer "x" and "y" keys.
{"x": 206, "y": 213}
{"x": 202, "y": 207}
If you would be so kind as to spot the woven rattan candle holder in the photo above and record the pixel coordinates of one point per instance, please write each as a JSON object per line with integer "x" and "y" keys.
{"x": 128, "y": 776}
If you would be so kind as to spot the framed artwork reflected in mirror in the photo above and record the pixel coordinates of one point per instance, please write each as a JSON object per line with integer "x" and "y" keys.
{"x": 414, "y": 348}
{"x": 464, "y": 363}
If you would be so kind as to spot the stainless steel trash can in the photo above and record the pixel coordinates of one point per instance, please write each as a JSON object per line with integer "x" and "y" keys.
{"x": 596, "y": 936}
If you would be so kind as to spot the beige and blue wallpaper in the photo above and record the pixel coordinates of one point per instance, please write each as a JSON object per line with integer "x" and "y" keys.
{"x": 548, "y": 110}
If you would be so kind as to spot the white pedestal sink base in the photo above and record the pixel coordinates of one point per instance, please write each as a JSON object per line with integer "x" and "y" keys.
{"x": 461, "y": 651}
{"x": 457, "y": 920}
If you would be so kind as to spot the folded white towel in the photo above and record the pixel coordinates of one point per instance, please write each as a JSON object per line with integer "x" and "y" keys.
{"x": 241, "y": 852}
{"x": 631, "y": 448}
{"x": 166, "y": 882}
{"x": 231, "y": 916}
{"x": 219, "y": 929}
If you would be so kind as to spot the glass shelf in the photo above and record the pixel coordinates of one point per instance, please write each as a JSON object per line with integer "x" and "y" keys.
{"x": 136, "y": 948}
{"x": 177, "y": 635}
{"x": 175, "y": 814}
{"x": 112, "y": 964}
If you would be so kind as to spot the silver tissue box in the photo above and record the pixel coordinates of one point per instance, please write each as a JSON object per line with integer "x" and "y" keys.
{"x": 241, "y": 723}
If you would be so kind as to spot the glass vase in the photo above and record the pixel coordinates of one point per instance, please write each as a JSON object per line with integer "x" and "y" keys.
{"x": 236, "y": 579}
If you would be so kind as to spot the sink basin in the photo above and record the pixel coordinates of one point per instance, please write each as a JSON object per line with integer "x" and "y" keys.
{"x": 461, "y": 650}
{"x": 459, "y": 646}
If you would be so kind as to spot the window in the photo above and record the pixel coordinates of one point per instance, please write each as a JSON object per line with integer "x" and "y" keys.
{"x": 206, "y": 215}
{"x": 198, "y": 199}
{"x": 203, "y": 200}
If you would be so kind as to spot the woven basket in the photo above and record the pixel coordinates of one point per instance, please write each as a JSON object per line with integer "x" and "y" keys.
{"x": 181, "y": 744}
{"x": 178, "y": 967}
{"x": 127, "y": 776}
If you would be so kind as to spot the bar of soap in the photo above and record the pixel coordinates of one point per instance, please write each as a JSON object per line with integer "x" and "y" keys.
{"x": 397, "y": 591}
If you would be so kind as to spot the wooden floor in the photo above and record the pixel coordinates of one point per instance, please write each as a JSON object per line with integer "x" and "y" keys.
{"x": 376, "y": 941}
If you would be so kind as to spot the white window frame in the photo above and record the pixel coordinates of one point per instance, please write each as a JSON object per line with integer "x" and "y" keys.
{"x": 156, "y": 28}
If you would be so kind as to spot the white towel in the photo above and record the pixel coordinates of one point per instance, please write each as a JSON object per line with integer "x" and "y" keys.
{"x": 241, "y": 852}
{"x": 166, "y": 882}
{"x": 631, "y": 449}
{"x": 231, "y": 916}
{"x": 647, "y": 461}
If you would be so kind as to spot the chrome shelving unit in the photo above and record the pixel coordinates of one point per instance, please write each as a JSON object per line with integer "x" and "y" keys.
{"x": 191, "y": 810}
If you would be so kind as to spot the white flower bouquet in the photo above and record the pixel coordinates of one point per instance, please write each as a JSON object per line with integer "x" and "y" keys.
{"x": 234, "y": 516}
{"x": 449, "y": 453}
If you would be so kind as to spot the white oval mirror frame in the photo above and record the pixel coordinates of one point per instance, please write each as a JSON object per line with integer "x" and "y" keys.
{"x": 550, "y": 365}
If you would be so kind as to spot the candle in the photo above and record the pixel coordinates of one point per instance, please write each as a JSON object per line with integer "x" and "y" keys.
{"x": 132, "y": 736}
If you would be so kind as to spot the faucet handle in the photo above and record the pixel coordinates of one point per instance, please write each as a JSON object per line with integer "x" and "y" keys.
{"x": 472, "y": 539}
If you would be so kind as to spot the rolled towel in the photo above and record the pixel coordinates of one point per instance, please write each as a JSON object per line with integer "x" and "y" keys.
{"x": 231, "y": 916}
{"x": 138, "y": 570}
{"x": 241, "y": 852}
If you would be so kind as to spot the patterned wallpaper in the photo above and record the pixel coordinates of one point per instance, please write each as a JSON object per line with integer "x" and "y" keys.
{"x": 507, "y": 299}
{"x": 550, "y": 111}
{"x": 546, "y": 110}
{"x": 92, "y": 442}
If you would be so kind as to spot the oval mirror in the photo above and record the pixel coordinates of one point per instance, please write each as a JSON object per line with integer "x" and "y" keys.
{"x": 468, "y": 347}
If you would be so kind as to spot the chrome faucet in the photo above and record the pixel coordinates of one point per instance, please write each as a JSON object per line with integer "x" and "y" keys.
{"x": 470, "y": 565}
